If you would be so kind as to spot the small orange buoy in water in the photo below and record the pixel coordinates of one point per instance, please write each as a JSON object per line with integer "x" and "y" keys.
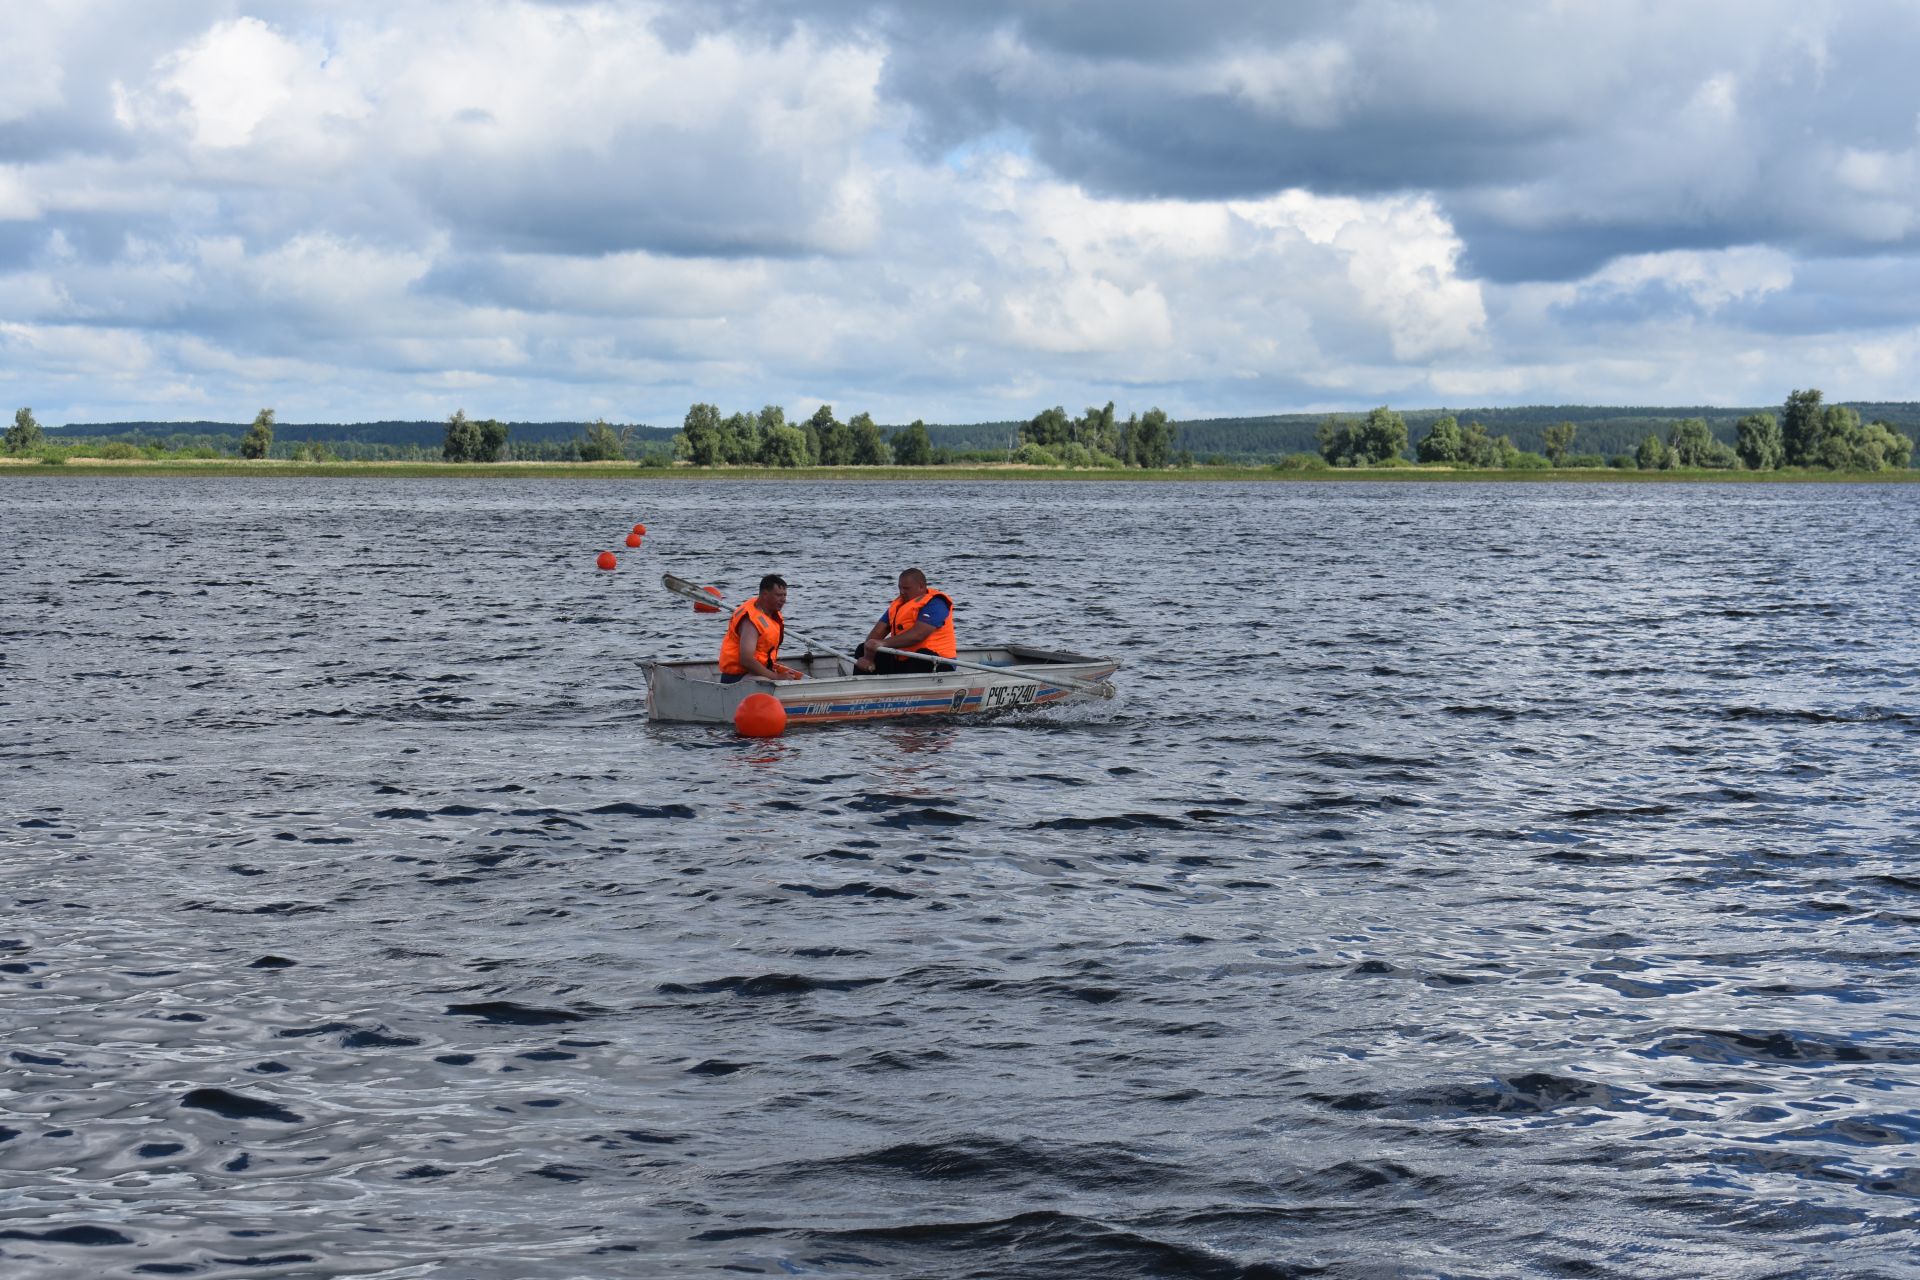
{"x": 633, "y": 539}
{"x": 708, "y": 608}
{"x": 640, "y": 529}
{"x": 607, "y": 560}
{"x": 760, "y": 715}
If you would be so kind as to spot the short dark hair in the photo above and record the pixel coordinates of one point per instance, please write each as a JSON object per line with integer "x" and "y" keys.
{"x": 771, "y": 581}
{"x": 918, "y": 575}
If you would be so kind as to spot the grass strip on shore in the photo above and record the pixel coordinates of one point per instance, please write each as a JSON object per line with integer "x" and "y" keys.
{"x": 967, "y": 472}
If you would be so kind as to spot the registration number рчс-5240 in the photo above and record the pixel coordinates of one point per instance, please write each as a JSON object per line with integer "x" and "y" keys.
{"x": 1010, "y": 695}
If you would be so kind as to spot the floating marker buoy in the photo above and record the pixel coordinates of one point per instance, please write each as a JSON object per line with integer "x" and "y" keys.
{"x": 607, "y": 560}
{"x": 708, "y": 608}
{"x": 633, "y": 539}
{"x": 640, "y": 529}
{"x": 760, "y": 715}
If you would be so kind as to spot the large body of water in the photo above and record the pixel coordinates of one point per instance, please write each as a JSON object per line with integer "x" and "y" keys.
{"x": 1471, "y": 880}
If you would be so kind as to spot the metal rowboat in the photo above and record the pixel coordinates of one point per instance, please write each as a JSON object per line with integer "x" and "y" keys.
{"x": 691, "y": 692}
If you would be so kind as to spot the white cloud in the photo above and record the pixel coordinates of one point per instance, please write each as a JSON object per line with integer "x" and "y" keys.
{"x": 1711, "y": 279}
{"x": 245, "y": 87}
{"x": 359, "y": 209}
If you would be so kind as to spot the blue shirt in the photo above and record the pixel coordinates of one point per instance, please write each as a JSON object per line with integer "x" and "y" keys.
{"x": 934, "y": 612}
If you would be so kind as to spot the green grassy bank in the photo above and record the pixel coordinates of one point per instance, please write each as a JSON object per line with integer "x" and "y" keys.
{"x": 82, "y": 467}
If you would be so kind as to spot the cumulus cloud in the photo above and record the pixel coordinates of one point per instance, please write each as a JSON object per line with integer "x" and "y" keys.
{"x": 579, "y": 207}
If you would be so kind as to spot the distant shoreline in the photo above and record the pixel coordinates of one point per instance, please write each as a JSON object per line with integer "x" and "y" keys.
{"x": 972, "y": 472}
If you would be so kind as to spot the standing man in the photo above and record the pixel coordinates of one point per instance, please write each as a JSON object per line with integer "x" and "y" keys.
{"x": 754, "y": 632}
{"x": 919, "y": 620}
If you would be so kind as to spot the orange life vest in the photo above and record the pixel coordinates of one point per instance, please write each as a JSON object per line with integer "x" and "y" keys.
{"x": 902, "y": 615}
{"x": 767, "y": 631}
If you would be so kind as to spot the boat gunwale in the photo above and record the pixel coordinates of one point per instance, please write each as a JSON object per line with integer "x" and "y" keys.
{"x": 891, "y": 695}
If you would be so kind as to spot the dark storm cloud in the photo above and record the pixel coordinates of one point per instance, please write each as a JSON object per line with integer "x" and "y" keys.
{"x": 1633, "y": 127}
{"x": 1507, "y": 254}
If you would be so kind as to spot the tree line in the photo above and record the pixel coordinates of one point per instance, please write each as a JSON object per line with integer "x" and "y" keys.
{"x": 1807, "y": 434}
{"x": 1096, "y": 439}
{"x": 1050, "y": 439}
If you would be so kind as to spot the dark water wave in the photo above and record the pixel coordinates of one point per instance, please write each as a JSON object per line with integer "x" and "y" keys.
{"x": 1470, "y": 881}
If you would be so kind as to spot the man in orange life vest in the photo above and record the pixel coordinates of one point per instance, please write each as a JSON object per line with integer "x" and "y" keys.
{"x": 754, "y": 632}
{"x": 919, "y": 620}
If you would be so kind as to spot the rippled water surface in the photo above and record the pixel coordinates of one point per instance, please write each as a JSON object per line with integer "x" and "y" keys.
{"x": 1470, "y": 881}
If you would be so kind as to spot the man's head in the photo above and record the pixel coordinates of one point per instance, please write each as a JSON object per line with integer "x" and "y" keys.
{"x": 912, "y": 583}
{"x": 773, "y": 593}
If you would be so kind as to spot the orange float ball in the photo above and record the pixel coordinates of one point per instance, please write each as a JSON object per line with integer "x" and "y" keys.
{"x": 640, "y": 529}
{"x": 607, "y": 560}
{"x": 707, "y": 608}
{"x": 760, "y": 715}
{"x": 633, "y": 539}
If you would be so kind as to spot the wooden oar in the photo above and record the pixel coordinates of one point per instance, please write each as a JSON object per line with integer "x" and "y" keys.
{"x": 681, "y": 587}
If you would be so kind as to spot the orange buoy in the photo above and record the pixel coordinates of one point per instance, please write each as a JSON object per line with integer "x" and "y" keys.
{"x": 760, "y": 715}
{"x": 633, "y": 539}
{"x": 607, "y": 560}
{"x": 708, "y": 608}
{"x": 640, "y": 529}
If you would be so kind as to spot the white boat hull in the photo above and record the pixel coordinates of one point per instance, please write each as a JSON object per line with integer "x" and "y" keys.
{"x": 691, "y": 692}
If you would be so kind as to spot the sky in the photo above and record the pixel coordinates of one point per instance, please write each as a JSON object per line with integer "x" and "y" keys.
{"x": 541, "y": 210}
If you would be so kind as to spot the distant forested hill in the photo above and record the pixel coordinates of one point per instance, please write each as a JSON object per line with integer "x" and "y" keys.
{"x": 979, "y": 436}
{"x": 1602, "y": 429}
{"x": 419, "y": 434}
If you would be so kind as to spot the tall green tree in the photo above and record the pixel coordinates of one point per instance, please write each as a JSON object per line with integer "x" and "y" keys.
{"x": 1048, "y": 428}
{"x": 784, "y": 446}
{"x": 1096, "y": 430}
{"x": 493, "y": 441}
{"x": 602, "y": 443}
{"x": 1802, "y": 424}
{"x": 1479, "y": 449}
{"x": 1849, "y": 446}
{"x": 766, "y": 421}
{"x": 1691, "y": 443}
{"x": 462, "y": 443}
{"x": 1152, "y": 440}
{"x": 1381, "y": 435}
{"x": 832, "y": 442}
{"x": 258, "y": 441}
{"x": 1757, "y": 442}
{"x": 705, "y": 435}
{"x": 869, "y": 450}
{"x": 1652, "y": 455}
{"x": 740, "y": 439}
{"x": 1896, "y": 447}
{"x": 25, "y": 435}
{"x": 911, "y": 445}
{"x": 1559, "y": 441}
{"x": 1442, "y": 441}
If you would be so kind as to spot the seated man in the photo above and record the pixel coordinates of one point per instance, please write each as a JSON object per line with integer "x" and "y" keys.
{"x": 919, "y": 620}
{"x": 754, "y": 632}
